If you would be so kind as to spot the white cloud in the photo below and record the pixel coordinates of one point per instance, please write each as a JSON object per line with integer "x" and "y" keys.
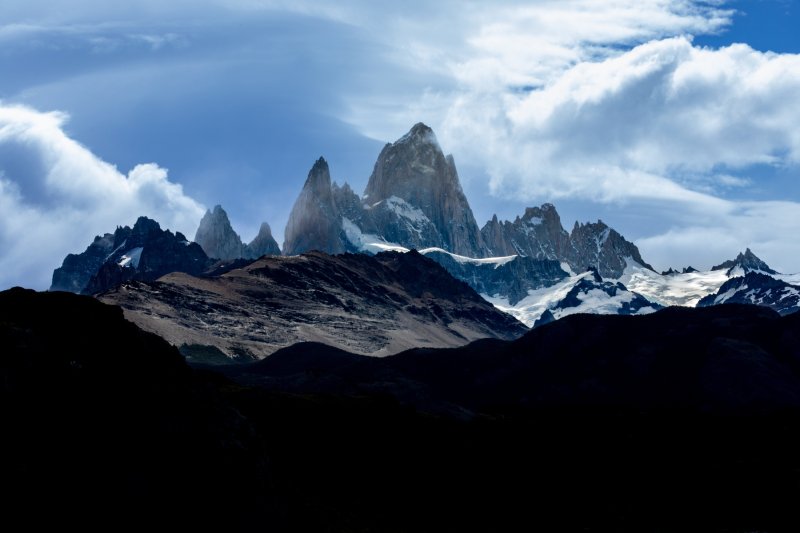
{"x": 64, "y": 195}
{"x": 666, "y": 108}
{"x": 770, "y": 229}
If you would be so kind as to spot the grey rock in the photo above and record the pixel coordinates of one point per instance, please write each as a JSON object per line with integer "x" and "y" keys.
{"x": 537, "y": 234}
{"x": 143, "y": 252}
{"x": 315, "y": 222}
{"x": 216, "y": 236}
{"x": 540, "y": 235}
{"x": 415, "y": 170}
{"x": 263, "y": 244}
{"x": 598, "y": 246}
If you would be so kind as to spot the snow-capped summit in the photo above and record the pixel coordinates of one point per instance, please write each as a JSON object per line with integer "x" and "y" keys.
{"x": 415, "y": 176}
{"x": 744, "y": 263}
{"x": 757, "y": 289}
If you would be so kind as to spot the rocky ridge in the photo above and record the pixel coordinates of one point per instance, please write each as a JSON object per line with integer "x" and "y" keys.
{"x": 376, "y": 305}
{"x": 756, "y": 288}
{"x": 746, "y": 261}
{"x": 143, "y": 252}
{"x": 414, "y": 200}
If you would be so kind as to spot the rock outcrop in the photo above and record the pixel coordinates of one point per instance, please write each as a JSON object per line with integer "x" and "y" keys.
{"x": 537, "y": 234}
{"x": 413, "y": 199}
{"x": 595, "y": 245}
{"x": 77, "y": 269}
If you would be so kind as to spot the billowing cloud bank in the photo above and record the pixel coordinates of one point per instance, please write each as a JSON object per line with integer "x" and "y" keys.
{"x": 55, "y": 196}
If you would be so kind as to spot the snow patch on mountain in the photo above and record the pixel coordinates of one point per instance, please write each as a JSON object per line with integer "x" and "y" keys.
{"x": 367, "y": 242}
{"x": 131, "y": 257}
{"x": 529, "y": 309}
{"x": 496, "y": 261}
{"x": 684, "y": 289}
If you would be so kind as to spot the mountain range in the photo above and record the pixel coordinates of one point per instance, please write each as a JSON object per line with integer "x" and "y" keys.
{"x": 531, "y": 267}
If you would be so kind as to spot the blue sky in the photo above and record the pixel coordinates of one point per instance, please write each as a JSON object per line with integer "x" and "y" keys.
{"x": 673, "y": 121}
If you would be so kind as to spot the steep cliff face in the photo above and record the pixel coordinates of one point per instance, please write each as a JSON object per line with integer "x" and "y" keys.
{"x": 147, "y": 253}
{"x": 315, "y": 222}
{"x": 216, "y": 236}
{"x": 419, "y": 186}
{"x": 143, "y": 252}
{"x": 77, "y": 269}
{"x": 414, "y": 200}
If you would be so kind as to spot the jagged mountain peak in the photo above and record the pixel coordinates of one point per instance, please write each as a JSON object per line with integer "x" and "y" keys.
{"x": 319, "y": 177}
{"x": 419, "y": 133}
{"x": 756, "y": 288}
{"x": 263, "y": 243}
{"x": 145, "y": 226}
{"x": 315, "y": 223}
{"x": 216, "y": 236}
{"x": 747, "y": 261}
{"x": 415, "y": 170}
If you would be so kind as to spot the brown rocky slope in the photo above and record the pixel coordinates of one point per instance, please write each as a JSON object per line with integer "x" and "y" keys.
{"x": 374, "y": 305}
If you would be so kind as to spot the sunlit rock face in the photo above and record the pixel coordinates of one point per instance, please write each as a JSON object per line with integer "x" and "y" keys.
{"x": 216, "y": 236}
{"x": 315, "y": 223}
{"x": 413, "y": 199}
{"x": 418, "y": 183}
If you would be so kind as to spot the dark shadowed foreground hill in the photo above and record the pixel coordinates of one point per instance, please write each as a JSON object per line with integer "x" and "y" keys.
{"x": 731, "y": 359}
{"x": 104, "y": 427}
